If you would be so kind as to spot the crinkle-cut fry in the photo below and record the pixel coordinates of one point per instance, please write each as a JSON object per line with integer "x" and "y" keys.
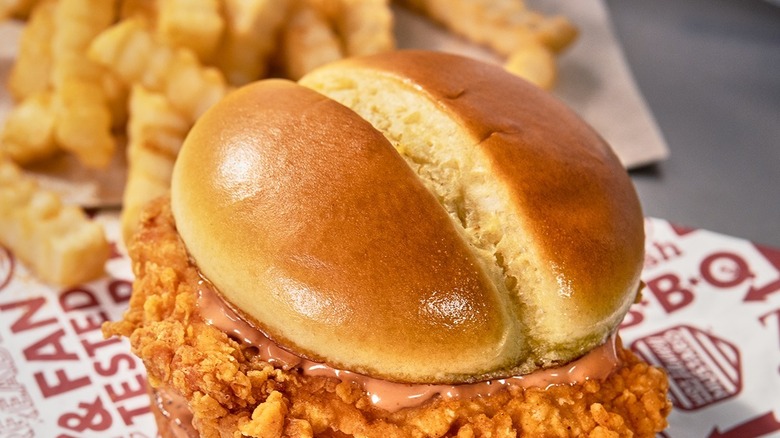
{"x": 146, "y": 9}
{"x": 28, "y": 134}
{"x": 117, "y": 94}
{"x": 58, "y": 242}
{"x": 76, "y": 24}
{"x": 156, "y": 132}
{"x": 16, "y": 8}
{"x": 83, "y": 124}
{"x": 556, "y": 32}
{"x": 535, "y": 63}
{"x": 129, "y": 49}
{"x": 328, "y": 8}
{"x": 195, "y": 24}
{"x": 503, "y": 25}
{"x": 250, "y": 37}
{"x": 308, "y": 42}
{"x": 31, "y": 70}
{"x": 366, "y": 26}
{"x": 190, "y": 87}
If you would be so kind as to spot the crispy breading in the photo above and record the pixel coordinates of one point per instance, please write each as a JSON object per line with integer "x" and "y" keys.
{"x": 231, "y": 392}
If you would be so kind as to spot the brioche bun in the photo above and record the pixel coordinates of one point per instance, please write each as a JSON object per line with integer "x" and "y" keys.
{"x": 420, "y": 217}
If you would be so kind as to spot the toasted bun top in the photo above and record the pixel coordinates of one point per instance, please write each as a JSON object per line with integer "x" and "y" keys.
{"x": 455, "y": 224}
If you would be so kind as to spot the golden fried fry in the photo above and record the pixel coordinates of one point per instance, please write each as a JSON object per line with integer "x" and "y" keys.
{"x": 76, "y": 23}
{"x": 131, "y": 51}
{"x": 328, "y": 8}
{"x": 555, "y": 32}
{"x": 117, "y": 94}
{"x": 506, "y": 26}
{"x": 146, "y": 9}
{"x": 155, "y": 133}
{"x": 30, "y": 72}
{"x": 58, "y": 242}
{"x": 308, "y": 41}
{"x": 250, "y": 37}
{"x": 16, "y": 8}
{"x": 534, "y": 63}
{"x": 366, "y": 26}
{"x": 83, "y": 124}
{"x": 195, "y": 24}
{"x": 28, "y": 134}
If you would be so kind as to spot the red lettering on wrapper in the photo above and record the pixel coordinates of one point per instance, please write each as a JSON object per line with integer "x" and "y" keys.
{"x": 30, "y": 308}
{"x": 129, "y": 415}
{"x": 91, "y": 322}
{"x": 113, "y": 364}
{"x": 125, "y": 390}
{"x": 120, "y": 290}
{"x": 114, "y": 252}
{"x": 12, "y": 428}
{"x": 61, "y": 385}
{"x": 632, "y": 318}
{"x": 124, "y": 393}
{"x": 682, "y": 230}
{"x": 724, "y": 269}
{"x": 78, "y": 299}
{"x": 752, "y": 428}
{"x": 92, "y": 416}
{"x": 50, "y": 348}
{"x": 634, "y": 315}
{"x": 660, "y": 252}
{"x": 18, "y": 402}
{"x": 670, "y": 293}
{"x": 761, "y": 293}
{"x": 14, "y": 399}
{"x": 772, "y": 255}
{"x": 776, "y": 313}
{"x": 92, "y": 347}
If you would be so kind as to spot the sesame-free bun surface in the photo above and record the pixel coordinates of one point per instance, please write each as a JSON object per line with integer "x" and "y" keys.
{"x": 456, "y": 224}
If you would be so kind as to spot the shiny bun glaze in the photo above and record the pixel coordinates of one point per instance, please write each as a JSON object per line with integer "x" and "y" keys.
{"x": 478, "y": 229}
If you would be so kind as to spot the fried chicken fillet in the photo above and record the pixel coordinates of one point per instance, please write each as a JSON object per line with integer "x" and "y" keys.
{"x": 226, "y": 388}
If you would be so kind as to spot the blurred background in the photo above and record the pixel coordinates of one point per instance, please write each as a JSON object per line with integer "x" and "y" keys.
{"x": 710, "y": 72}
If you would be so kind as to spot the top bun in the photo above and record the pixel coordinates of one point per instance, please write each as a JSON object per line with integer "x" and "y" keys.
{"x": 446, "y": 222}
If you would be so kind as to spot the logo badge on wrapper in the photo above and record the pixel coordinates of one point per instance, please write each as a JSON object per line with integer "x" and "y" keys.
{"x": 703, "y": 369}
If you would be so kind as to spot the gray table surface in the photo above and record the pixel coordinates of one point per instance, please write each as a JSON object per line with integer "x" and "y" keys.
{"x": 710, "y": 72}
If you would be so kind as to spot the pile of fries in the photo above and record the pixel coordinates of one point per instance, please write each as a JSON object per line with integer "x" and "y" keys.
{"x": 96, "y": 78}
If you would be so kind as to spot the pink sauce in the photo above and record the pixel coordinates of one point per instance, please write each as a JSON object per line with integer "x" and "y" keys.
{"x": 597, "y": 364}
{"x": 174, "y": 408}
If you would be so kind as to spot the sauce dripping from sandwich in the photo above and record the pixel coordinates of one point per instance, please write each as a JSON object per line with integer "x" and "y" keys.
{"x": 597, "y": 364}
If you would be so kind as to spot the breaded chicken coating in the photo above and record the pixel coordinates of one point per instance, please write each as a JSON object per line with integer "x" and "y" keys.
{"x": 230, "y": 392}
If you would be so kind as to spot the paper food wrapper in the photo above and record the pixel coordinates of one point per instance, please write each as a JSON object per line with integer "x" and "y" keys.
{"x": 710, "y": 315}
{"x": 594, "y": 80}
